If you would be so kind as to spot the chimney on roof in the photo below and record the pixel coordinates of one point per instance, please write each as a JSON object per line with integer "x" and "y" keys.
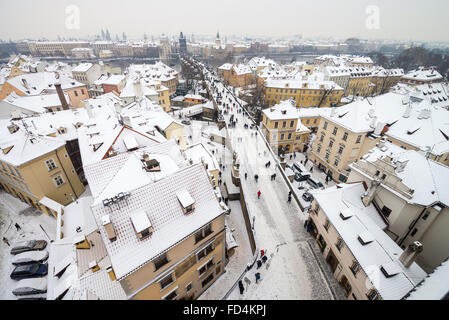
{"x": 368, "y": 196}
{"x": 61, "y": 96}
{"x": 411, "y": 253}
{"x": 88, "y": 108}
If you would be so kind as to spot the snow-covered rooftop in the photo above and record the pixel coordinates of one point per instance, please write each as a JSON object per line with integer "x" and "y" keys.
{"x": 381, "y": 251}
{"x": 170, "y": 225}
{"x": 430, "y": 185}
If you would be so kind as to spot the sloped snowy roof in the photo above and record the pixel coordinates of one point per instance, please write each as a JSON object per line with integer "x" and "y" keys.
{"x": 82, "y": 67}
{"x": 282, "y": 111}
{"x": 435, "y": 286}
{"x": 430, "y": 186}
{"x": 110, "y": 176}
{"x": 170, "y": 224}
{"x": 381, "y": 251}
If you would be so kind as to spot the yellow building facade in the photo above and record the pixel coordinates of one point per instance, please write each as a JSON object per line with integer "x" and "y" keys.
{"x": 304, "y": 95}
{"x": 51, "y": 175}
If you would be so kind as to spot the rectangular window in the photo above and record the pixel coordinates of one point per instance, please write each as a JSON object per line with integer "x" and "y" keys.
{"x": 339, "y": 244}
{"x": 58, "y": 181}
{"x": 189, "y": 287}
{"x": 355, "y": 267}
{"x": 335, "y": 131}
{"x": 171, "y": 296}
{"x": 276, "y": 125}
{"x": 282, "y": 136}
{"x": 203, "y": 233}
{"x": 160, "y": 261}
{"x": 426, "y": 215}
{"x": 289, "y": 136}
{"x": 322, "y": 138}
{"x": 204, "y": 252}
{"x": 386, "y": 211}
{"x": 414, "y": 232}
{"x": 336, "y": 162}
{"x": 340, "y": 150}
{"x": 327, "y": 225}
{"x": 165, "y": 282}
{"x": 331, "y": 143}
{"x": 50, "y": 164}
{"x": 284, "y": 123}
{"x": 358, "y": 139}
{"x": 206, "y": 267}
{"x": 325, "y": 125}
{"x": 76, "y": 93}
{"x": 207, "y": 280}
{"x": 292, "y": 123}
{"x": 345, "y": 136}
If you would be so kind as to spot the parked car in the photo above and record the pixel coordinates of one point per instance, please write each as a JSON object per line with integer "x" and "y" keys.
{"x": 32, "y": 270}
{"x": 186, "y": 122}
{"x": 300, "y": 167}
{"x": 30, "y": 257}
{"x": 315, "y": 183}
{"x": 307, "y": 197}
{"x": 30, "y": 245}
{"x": 302, "y": 176}
{"x": 30, "y": 286}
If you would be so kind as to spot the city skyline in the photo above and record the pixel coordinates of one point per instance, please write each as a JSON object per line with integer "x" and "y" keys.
{"x": 362, "y": 19}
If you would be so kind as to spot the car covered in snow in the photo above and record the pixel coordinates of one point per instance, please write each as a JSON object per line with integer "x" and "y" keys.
{"x": 30, "y": 286}
{"x": 302, "y": 176}
{"x": 32, "y": 270}
{"x": 30, "y": 257}
{"x": 29, "y": 245}
{"x": 315, "y": 183}
{"x": 307, "y": 197}
{"x": 186, "y": 122}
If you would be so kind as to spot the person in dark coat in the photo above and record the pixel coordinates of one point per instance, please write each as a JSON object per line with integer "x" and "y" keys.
{"x": 257, "y": 276}
{"x": 241, "y": 287}
{"x": 246, "y": 175}
{"x": 256, "y": 177}
{"x": 289, "y": 198}
{"x": 17, "y": 226}
{"x": 259, "y": 264}
{"x": 5, "y": 240}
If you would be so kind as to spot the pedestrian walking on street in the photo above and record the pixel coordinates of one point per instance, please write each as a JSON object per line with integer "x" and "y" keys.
{"x": 274, "y": 176}
{"x": 291, "y": 157}
{"x": 257, "y": 276}
{"x": 5, "y": 240}
{"x": 241, "y": 287}
{"x": 311, "y": 169}
{"x": 246, "y": 175}
{"x": 258, "y": 194}
{"x": 17, "y": 226}
{"x": 294, "y": 155}
{"x": 289, "y": 198}
{"x": 256, "y": 177}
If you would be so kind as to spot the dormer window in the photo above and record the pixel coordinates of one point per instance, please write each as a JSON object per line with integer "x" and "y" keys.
{"x": 141, "y": 224}
{"x": 186, "y": 201}
{"x": 365, "y": 238}
{"x": 151, "y": 165}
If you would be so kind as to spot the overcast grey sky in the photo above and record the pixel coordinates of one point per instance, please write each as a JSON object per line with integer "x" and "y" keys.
{"x": 397, "y": 19}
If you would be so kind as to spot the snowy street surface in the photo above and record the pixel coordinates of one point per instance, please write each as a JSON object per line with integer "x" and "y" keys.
{"x": 34, "y": 225}
{"x": 295, "y": 268}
